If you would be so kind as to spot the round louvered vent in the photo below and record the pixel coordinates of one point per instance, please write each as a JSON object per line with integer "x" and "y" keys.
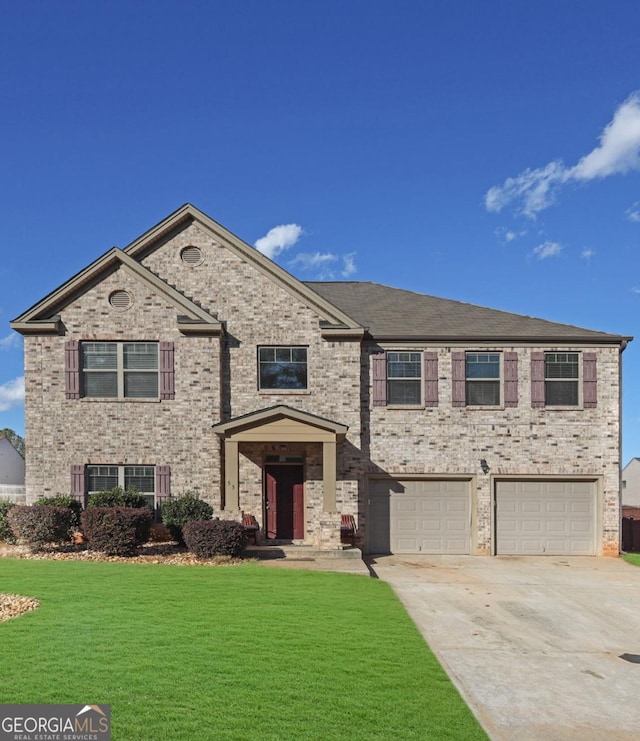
{"x": 120, "y": 300}
{"x": 191, "y": 255}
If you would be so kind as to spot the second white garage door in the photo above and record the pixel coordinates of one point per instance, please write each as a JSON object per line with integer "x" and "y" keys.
{"x": 419, "y": 517}
{"x": 554, "y": 518}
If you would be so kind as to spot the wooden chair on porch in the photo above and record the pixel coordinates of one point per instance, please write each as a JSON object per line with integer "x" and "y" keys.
{"x": 348, "y": 529}
{"x": 251, "y": 527}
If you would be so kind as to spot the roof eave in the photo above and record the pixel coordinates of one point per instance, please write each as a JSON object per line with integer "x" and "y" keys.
{"x": 330, "y": 333}
{"x": 507, "y": 339}
{"x": 189, "y": 326}
{"x": 37, "y": 327}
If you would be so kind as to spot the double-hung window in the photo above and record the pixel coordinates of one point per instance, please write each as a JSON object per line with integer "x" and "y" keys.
{"x": 140, "y": 478}
{"x": 482, "y": 379}
{"x": 282, "y": 368}
{"x": 561, "y": 379}
{"x": 404, "y": 378}
{"x": 120, "y": 369}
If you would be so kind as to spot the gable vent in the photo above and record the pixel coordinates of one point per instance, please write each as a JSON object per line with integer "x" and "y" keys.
{"x": 191, "y": 255}
{"x": 120, "y": 300}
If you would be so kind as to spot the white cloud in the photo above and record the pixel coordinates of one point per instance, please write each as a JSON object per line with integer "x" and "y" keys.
{"x": 508, "y": 235}
{"x": 535, "y": 188}
{"x": 617, "y": 153}
{"x": 10, "y": 341}
{"x": 278, "y": 239}
{"x": 619, "y": 149}
{"x": 633, "y": 212}
{"x": 348, "y": 264}
{"x": 311, "y": 260}
{"x": 324, "y": 265}
{"x": 11, "y": 394}
{"x": 547, "y": 249}
{"x": 321, "y": 263}
{"x": 635, "y": 289}
{"x": 587, "y": 254}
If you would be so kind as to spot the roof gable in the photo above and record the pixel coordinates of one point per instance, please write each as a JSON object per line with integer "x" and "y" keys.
{"x": 42, "y": 318}
{"x": 334, "y": 321}
{"x": 277, "y": 417}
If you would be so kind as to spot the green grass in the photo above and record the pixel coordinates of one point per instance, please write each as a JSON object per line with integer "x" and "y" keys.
{"x": 233, "y": 652}
{"x": 632, "y": 558}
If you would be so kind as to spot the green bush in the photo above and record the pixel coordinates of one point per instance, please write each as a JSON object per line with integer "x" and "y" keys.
{"x": 117, "y": 497}
{"x": 209, "y": 538}
{"x": 42, "y": 525}
{"x": 64, "y": 500}
{"x": 6, "y": 533}
{"x": 116, "y": 531}
{"x": 176, "y": 512}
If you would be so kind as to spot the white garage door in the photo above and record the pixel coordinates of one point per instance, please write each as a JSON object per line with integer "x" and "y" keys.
{"x": 554, "y": 518}
{"x": 419, "y": 516}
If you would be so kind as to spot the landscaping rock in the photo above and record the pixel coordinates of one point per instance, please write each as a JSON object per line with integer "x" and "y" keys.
{"x": 13, "y": 605}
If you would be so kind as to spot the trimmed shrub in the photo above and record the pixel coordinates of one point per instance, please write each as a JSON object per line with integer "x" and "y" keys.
{"x": 177, "y": 511}
{"x": 6, "y": 533}
{"x": 41, "y": 526}
{"x": 209, "y": 538}
{"x": 117, "y": 497}
{"x": 116, "y": 531}
{"x": 64, "y": 500}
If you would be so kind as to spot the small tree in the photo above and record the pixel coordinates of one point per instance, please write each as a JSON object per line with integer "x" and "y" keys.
{"x": 6, "y": 533}
{"x": 176, "y": 512}
{"x": 41, "y": 526}
{"x": 209, "y": 538}
{"x": 64, "y": 500}
{"x": 116, "y": 531}
{"x": 117, "y": 497}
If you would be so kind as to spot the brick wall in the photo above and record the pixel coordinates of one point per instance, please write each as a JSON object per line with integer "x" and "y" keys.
{"x": 216, "y": 379}
{"x": 519, "y": 441}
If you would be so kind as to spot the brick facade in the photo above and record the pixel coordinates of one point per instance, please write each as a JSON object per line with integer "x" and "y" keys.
{"x": 216, "y": 379}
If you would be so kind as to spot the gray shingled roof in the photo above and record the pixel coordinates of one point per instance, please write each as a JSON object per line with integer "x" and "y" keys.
{"x": 393, "y": 313}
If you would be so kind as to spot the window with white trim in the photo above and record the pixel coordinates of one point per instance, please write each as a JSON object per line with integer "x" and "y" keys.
{"x": 561, "y": 379}
{"x": 282, "y": 368}
{"x": 140, "y": 478}
{"x": 404, "y": 378}
{"x": 120, "y": 370}
{"x": 482, "y": 378}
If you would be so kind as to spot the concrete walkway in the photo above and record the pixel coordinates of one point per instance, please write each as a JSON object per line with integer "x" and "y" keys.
{"x": 535, "y": 644}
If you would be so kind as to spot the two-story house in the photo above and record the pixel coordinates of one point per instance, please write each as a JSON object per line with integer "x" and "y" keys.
{"x": 188, "y": 361}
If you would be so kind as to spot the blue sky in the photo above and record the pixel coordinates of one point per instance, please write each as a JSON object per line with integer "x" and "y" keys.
{"x": 485, "y": 152}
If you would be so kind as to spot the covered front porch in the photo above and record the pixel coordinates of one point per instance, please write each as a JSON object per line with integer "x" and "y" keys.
{"x": 280, "y": 468}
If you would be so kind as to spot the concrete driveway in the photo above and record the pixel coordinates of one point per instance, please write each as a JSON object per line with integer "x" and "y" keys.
{"x": 534, "y": 644}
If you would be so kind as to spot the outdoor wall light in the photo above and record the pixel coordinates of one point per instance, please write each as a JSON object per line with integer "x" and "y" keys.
{"x": 484, "y": 465}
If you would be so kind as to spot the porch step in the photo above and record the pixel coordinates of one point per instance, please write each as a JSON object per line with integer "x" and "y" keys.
{"x": 301, "y": 552}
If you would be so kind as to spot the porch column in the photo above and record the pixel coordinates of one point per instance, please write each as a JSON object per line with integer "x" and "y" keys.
{"x": 329, "y": 476}
{"x": 231, "y": 476}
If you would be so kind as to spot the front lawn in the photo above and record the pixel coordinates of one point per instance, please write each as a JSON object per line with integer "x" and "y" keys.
{"x": 230, "y": 652}
{"x": 632, "y": 558}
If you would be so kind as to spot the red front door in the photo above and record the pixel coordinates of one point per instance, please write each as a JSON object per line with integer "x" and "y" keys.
{"x": 284, "y": 501}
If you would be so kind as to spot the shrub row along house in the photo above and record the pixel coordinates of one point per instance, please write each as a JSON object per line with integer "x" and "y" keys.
{"x": 190, "y": 362}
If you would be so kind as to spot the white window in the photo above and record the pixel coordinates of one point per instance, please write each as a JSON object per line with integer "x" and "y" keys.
{"x": 561, "y": 378}
{"x": 120, "y": 369}
{"x": 404, "y": 378}
{"x": 282, "y": 368}
{"x": 482, "y": 379}
{"x": 140, "y": 478}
